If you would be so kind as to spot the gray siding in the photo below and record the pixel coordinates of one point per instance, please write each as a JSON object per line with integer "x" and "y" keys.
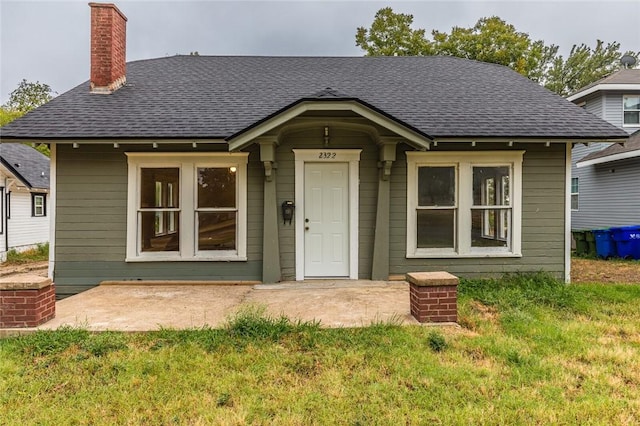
{"x": 91, "y": 216}
{"x": 594, "y": 105}
{"x": 543, "y": 217}
{"x": 613, "y": 108}
{"x": 91, "y": 220}
{"x": 340, "y": 139}
{"x": 609, "y": 195}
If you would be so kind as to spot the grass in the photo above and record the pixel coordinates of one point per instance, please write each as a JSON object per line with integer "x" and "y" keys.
{"x": 530, "y": 351}
{"x": 37, "y": 254}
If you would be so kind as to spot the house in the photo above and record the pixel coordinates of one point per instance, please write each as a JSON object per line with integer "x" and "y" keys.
{"x": 294, "y": 168}
{"x": 24, "y": 198}
{"x": 604, "y": 177}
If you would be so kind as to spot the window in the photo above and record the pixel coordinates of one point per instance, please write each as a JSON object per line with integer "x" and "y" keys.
{"x": 187, "y": 207}
{"x": 574, "y": 193}
{"x": 464, "y": 204}
{"x": 631, "y": 110}
{"x": 38, "y": 205}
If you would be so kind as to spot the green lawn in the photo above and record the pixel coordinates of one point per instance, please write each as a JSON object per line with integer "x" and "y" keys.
{"x": 530, "y": 351}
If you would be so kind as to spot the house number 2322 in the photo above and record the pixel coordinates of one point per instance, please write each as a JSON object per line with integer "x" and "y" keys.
{"x": 326, "y": 155}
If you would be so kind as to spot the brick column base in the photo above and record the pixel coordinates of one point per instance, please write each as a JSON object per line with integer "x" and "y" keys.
{"x": 26, "y": 301}
{"x": 434, "y": 296}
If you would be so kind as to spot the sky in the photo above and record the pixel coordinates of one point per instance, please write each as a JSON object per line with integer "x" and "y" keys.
{"x": 48, "y": 41}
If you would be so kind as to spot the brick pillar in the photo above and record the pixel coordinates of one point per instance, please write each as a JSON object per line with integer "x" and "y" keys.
{"x": 26, "y": 301}
{"x": 433, "y": 296}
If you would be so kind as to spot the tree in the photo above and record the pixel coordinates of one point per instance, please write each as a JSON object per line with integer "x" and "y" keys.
{"x": 8, "y": 115}
{"x": 583, "y": 66}
{"x": 496, "y": 41}
{"x": 22, "y": 100}
{"x": 29, "y": 95}
{"x": 391, "y": 35}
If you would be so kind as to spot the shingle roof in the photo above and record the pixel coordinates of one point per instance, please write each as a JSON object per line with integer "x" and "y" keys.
{"x": 633, "y": 144}
{"x": 220, "y": 96}
{"x": 623, "y": 76}
{"x": 28, "y": 164}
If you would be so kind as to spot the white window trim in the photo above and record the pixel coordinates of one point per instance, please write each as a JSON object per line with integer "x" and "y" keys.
{"x": 577, "y": 194}
{"x": 624, "y": 110}
{"x": 187, "y": 163}
{"x": 464, "y": 162}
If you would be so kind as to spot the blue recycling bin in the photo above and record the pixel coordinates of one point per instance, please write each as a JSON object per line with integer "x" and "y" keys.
{"x": 627, "y": 240}
{"x": 605, "y": 245}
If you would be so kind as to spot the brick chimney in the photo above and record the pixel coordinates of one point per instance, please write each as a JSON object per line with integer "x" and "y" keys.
{"x": 108, "y": 48}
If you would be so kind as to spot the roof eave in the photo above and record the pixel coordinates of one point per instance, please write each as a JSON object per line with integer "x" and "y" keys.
{"x": 602, "y": 87}
{"x": 609, "y": 158}
{"x": 15, "y": 173}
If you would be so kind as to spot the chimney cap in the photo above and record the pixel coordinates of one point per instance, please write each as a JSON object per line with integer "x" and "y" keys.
{"x": 108, "y": 6}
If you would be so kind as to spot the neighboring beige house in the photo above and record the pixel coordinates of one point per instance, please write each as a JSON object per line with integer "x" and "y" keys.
{"x": 24, "y": 198}
{"x": 239, "y": 168}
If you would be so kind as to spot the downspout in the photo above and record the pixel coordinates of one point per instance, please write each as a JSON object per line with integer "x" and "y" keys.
{"x": 5, "y": 214}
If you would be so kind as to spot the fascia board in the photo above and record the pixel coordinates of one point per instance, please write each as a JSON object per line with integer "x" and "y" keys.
{"x": 602, "y": 87}
{"x": 609, "y": 158}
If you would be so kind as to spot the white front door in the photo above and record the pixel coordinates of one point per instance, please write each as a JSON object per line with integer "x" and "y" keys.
{"x": 326, "y": 220}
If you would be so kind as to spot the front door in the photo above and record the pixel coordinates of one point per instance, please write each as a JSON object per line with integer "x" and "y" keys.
{"x": 326, "y": 220}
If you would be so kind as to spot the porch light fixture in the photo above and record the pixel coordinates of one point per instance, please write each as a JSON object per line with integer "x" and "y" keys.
{"x": 510, "y": 143}
{"x": 548, "y": 144}
{"x": 116, "y": 145}
{"x": 473, "y": 143}
{"x": 194, "y": 145}
{"x": 154, "y": 145}
{"x": 232, "y": 169}
{"x": 75, "y": 145}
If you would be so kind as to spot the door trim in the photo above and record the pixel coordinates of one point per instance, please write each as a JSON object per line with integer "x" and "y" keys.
{"x": 351, "y": 156}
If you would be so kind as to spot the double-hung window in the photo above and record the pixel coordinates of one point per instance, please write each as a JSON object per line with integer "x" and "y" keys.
{"x": 187, "y": 207}
{"x": 631, "y": 110}
{"x": 574, "y": 193}
{"x": 38, "y": 205}
{"x": 464, "y": 204}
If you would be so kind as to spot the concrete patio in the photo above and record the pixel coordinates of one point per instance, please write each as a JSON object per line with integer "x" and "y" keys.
{"x": 144, "y": 307}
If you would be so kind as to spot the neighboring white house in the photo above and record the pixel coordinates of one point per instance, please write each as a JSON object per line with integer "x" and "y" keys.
{"x": 24, "y": 198}
{"x": 605, "y": 179}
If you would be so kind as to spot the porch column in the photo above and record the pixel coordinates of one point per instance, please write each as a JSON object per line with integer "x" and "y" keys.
{"x": 270, "y": 241}
{"x": 380, "y": 266}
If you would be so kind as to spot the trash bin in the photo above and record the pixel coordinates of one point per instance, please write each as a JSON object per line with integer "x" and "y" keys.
{"x": 591, "y": 243}
{"x": 627, "y": 240}
{"x": 605, "y": 245}
{"x": 581, "y": 243}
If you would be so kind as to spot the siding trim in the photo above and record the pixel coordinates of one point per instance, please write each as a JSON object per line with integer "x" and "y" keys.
{"x": 53, "y": 195}
{"x": 567, "y": 214}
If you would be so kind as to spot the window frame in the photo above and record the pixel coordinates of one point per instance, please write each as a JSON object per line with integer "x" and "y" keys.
{"x": 576, "y": 194}
{"x": 464, "y": 162}
{"x": 624, "y": 124}
{"x": 187, "y": 194}
{"x": 36, "y": 196}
